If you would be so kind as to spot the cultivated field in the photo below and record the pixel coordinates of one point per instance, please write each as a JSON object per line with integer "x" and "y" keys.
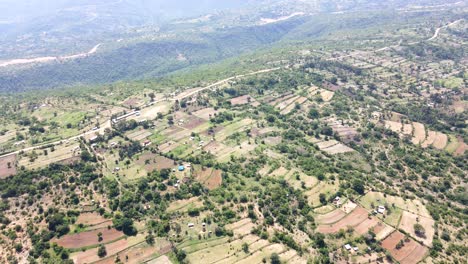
{"x": 90, "y": 219}
{"x": 90, "y": 255}
{"x": 88, "y": 238}
{"x": 209, "y": 177}
{"x": 410, "y": 253}
{"x": 353, "y": 219}
{"x": 60, "y": 154}
{"x": 407, "y": 224}
{"x": 7, "y": 166}
{"x": 229, "y": 250}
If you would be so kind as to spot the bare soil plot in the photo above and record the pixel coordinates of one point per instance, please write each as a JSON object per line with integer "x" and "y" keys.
{"x": 366, "y": 225}
{"x": 150, "y": 113}
{"x": 132, "y": 102}
{"x": 155, "y": 162}
{"x": 273, "y": 140}
{"x": 160, "y": 260}
{"x": 136, "y": 254}
{"x": 338, "y": 149}
{"x": 411, "y": 251}
{"x": 461, "y": 148}
{"x": 7, "y": 166}
{"x": 209, "y": 177}
{"x": 431, "y": 136}
{"x": 114, "y": 248}
{"x": 440, "y": 141}
{"x": 419, "y": 133}
{"x": 394, "y": 126}
{"x": 331, "y": 217}
{"x": 242, "y": 100}
{"x": 326, "y": 144}
{"x": 416, "y": 255}
{"x": 89, "y": 238}
{"x": 407, "y": 224}
{"x": 407, "y": 129}
{"x": 214, "y": 147}
{"x": 327, "y": 96}
{"x": 383, "y": 232}
{"x": 193, "y": 122}
{"x": 90, "y": 219}
{"x": 168, "y": 146}
{"x": 206, "y": 113}
{"x": 91, "y": 255}
{"x": 351, "y": 220}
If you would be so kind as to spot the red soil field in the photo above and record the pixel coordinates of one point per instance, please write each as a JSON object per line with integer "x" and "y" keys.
{"x": 411, "y": 253}
{"x": 89, "y": 238}
{"x": 367, "y": 224}
{"x": 6, "y": 170}
{"x": 351, "y": 220}
{"x": 210, "y": 178}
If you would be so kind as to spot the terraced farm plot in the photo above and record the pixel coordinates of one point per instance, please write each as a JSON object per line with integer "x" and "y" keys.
{"x": 88, "y": 238}
{"x": 440, "y": 141}
{"x": 139, "y": 253}
{"x": 353, "y": 219}
{"x": 338, "y": 149}
{"x": 7, "y": 166}
{"x": 410, "y": 253}
{"x": 407, "y": 224}
{"x": 299, "y": 101}
{"x": 90, "y": 255}
{"x": 419, "y": 133}
{"x": 431, "y": 136}
{"x": 90, "y": 219}
{"x": 331, "y": 217}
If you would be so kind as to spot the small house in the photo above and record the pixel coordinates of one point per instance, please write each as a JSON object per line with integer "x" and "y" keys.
{"x": 347, "y": 247}
{"x": 381, "y": 209}
{"x": 181, "y": 168}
